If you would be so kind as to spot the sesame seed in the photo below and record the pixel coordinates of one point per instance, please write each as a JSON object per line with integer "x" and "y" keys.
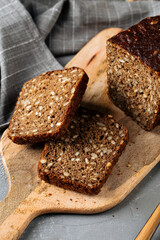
{"x": 50, "y": 164}
{"x": 28, "y": 107}
{"x": 84, "y": 116}
{"x": 66, "y": 174}
{"x": 75, "y": 136}
{"x": 117, "y": 125}
{"x": 90, "y": 185}
{"x": 121, "y": 142}
{"x": 77, "y": 153}
{"x": 87, "y": 149}
{"x": 122, "y": 61}
{"x": 74, "y": 71}
{"x": 86, "y": 160}
{"x": 99, "y": 151}
{"x": 95, "y": 179}
{"x": 109, "y": 151}
{"x": 58, "y": 124}
{"x": 73, "y": 120}
{"x": 73, "y": 89}
{"x": 93, "y": 155}
{"x": 105, "y": 150}
{"x": 100, "y": 124}
{"x": 108, "y": 165}
{"x": 35, "y": 130}
{"x": 65, "y": 104}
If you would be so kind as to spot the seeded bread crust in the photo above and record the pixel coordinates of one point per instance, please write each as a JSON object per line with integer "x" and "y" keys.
{"x": 133, "y": 72}
{"x": 82, "y": 167}
{"x": 142, "y": 41}
{"x": 56, "y": 122}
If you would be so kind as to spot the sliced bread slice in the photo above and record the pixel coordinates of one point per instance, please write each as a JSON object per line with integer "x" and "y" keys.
{"x": 83, "y": 158}
{"x": 46, "y": 105}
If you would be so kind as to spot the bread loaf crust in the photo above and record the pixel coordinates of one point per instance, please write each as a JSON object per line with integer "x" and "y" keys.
{"x": 143, "y": 41}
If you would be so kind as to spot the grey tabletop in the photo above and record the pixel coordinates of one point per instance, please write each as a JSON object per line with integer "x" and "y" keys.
{"x": 122, "y": 222}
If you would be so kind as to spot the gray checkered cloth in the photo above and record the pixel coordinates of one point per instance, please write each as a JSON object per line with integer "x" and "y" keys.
{"x": 34, "y": 32}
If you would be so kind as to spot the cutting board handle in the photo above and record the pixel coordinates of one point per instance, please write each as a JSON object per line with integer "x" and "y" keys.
{"x": 16, "y": 223}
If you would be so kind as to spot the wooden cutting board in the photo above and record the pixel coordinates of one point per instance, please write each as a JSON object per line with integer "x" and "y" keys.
{"x": 29, "y": 197}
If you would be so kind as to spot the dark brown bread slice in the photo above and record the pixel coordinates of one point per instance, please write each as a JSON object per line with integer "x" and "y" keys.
{"x": 134, "y": 71}
{"x": 46, "y": 105}
{"x": 83, "y": 158}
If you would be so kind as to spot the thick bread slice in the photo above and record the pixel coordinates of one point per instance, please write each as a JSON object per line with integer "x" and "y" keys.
{"x": 83, "y": 158}
{"x": 46, "y": 105}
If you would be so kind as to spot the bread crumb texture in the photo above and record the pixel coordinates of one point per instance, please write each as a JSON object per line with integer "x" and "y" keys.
{"x": 46, "y": 105}
{"x": 133, "y": 58}
{"x": 83, "y": 158}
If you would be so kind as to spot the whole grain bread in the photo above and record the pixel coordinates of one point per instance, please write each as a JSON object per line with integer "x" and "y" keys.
{"x": 134, "y": 71}
{"x": 83, "y": 158}
{"x": 46, "y": 105}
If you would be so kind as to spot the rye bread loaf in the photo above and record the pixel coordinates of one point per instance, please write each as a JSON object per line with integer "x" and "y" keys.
{"x": 46, "y": 105}
{"x": 83, "y": 158}
{"x": 134, "y": 71}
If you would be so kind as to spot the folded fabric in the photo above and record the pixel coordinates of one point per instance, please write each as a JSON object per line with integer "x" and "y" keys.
{"x": 33, "y": 33}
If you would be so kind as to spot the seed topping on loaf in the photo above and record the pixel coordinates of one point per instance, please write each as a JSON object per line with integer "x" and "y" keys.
{"x": 142, "y": 40}
{"x": 82, "y": 159}
{"x": 46, "y": 105}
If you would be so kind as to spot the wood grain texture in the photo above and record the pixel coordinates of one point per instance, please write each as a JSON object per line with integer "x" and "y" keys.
{"x": 151, "y": 225}
{"x": 28, "y": 197}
